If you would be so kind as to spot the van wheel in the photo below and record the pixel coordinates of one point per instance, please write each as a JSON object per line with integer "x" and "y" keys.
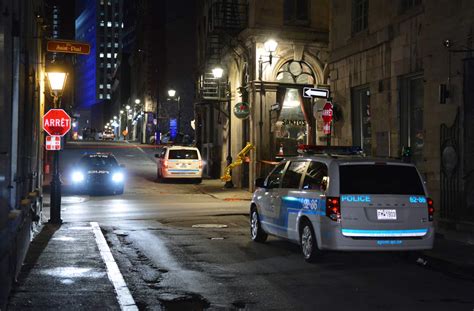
{"x": 256, "y": 232}
{"x": 198, "y": 180}
{"x": 309, "y": 246}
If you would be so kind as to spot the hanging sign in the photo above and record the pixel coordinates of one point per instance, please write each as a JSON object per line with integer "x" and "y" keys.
{"x": 242, "y": 110}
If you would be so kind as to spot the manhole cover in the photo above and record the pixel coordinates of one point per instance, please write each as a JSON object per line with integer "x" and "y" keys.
{"x": 209, "y": 226}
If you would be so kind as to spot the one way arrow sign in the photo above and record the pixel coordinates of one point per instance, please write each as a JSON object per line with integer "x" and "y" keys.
{"x": 314, "y": 92}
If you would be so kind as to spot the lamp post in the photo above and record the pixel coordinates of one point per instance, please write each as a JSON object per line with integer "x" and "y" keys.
{"x": 270, "y": 47}
{"x": 172, "y": 94}
{"x": 57, "y": 81}
{"x": 218, "y": 72}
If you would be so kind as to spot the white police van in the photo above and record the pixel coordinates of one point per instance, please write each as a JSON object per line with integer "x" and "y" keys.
{"x": 337, "y": 199}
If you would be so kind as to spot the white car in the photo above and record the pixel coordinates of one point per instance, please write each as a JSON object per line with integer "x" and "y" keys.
{"x": 335, "y": 200}
{"x": 178, "y": 162}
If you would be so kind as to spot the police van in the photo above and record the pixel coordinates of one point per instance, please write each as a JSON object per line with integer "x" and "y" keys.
{"x": 337, "y": 199}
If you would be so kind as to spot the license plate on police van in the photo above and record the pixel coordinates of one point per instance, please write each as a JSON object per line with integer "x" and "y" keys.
{"x": 386, "y": 214}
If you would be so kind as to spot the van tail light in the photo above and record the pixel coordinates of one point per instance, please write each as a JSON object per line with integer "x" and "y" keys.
{"x": 430, "y": 209}
{"x": 200, "y": 164}
{"x": 165, "y": 163}
{"x": 333, "y": 208}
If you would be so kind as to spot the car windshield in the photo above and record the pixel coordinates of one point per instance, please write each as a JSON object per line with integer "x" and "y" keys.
{"x": 98, "y": 162}
{"x": 183, "y": 154}
{"x": 380, "y": 179}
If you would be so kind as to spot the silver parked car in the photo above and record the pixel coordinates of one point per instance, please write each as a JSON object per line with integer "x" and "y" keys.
{"x": 336, "y": 199}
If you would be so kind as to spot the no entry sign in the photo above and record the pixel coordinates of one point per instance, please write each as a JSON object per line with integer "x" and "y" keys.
{"x": 56, "y": 122}
{"x": 53, "y": 142}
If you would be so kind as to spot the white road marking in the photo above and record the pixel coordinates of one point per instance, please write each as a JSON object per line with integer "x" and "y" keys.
{"x": 124, "y": 297}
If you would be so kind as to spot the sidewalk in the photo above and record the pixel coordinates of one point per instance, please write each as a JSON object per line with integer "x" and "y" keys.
{"x": 215, "y": 188}
{"x": 64, "y": 269}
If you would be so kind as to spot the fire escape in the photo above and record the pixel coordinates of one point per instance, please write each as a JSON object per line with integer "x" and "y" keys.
{"x": 226, "y": 19}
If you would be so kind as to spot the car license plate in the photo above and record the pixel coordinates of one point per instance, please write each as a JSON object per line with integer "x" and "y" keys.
{"x": 386, "y": 214}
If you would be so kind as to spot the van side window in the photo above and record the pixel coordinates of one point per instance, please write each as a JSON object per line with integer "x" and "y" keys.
{"x": 314, "y": 176}
{"x": 293, "y": 174}
{"x": 274, "y": 179}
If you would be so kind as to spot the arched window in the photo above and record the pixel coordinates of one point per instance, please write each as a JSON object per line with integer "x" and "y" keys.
{"x": 297, "y": 72}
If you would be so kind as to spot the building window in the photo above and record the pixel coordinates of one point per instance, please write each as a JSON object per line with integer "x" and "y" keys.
{"x": 296, "y": 72}
{"x": 109, "y": 55}
{"x": 406, "y": 5}
{"x": 115, "y": 55}
{"x": 101, "y": 96}
{"x": 411, "y": 117}
{"x": 108, "y": 86}
{"x": 108, "y": 96}
{"x": 102, "y": 23}
{"x": 101, "y": 86}
{"x": 360, "y": 15}
{"x": 296, "y": 11}
{"x": 116, "y": 45}
{"x": 109, "y": 24}
{"x": 101, "y": 55}
{"x": 109, "y": 66}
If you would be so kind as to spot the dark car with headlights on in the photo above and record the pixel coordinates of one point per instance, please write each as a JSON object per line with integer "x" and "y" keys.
{"x": 98, "y": 173}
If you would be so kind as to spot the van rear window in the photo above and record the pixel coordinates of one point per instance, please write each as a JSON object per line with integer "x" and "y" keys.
{"x": 183, "y": 154}
{"x": 379, "y": 179}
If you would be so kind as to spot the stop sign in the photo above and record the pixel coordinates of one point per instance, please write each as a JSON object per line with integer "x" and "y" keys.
{"x": 327, "y": 112}
{"x": 56, "y": 122}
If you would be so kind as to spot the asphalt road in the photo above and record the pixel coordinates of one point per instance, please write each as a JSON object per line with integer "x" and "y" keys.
{"x": 169, "y": 259}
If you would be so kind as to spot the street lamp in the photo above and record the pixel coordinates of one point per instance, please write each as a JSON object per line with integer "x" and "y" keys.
{"x": 57, "y": 81}
{"x": 218, "y": 72}
{"x": 270, "y": 47}
{"x": 172, "y": 94}
{"x": 137, "y": 101}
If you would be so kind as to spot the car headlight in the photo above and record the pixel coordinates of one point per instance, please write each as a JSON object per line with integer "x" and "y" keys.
{"x": 77, "y": 177}
{"x": 117, "y": 177}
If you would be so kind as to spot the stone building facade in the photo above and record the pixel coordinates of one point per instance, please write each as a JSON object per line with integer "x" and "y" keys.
{"x": 401, "y": 74}
{"x": 232, "y": 35}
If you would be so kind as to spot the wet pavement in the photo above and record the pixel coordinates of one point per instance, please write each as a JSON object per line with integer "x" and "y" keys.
{"x": 64, "y": 270}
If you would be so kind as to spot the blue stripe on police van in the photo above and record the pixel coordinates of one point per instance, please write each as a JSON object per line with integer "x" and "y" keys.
{"x": 384, "y": 233}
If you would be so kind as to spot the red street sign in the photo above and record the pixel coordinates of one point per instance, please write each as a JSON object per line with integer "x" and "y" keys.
{"x": 53, "y": 142}
{"x": 327, "y": 112}
{"x": 63, "y": 46}
{"x": 327, "y": 128}
{"x": 56, "y": 122}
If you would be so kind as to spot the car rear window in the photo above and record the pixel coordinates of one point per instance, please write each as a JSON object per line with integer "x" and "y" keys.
{"x": 183, "y": 154}
{"x": 380, "y": 179}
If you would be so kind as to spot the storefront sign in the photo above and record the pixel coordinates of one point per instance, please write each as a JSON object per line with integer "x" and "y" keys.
{"x": 242, "y": 110}
{"x": 294, "y": 122}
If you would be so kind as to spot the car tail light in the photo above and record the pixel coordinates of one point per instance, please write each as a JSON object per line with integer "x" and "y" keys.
{"x": 430, "y": 209}
{"x": 165, "y": 163}
{"x": 200, "y": 164}
{"x": 333, "y": 208}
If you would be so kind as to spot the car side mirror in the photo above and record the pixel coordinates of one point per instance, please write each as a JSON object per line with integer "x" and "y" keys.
{"x": 260, "y": 182}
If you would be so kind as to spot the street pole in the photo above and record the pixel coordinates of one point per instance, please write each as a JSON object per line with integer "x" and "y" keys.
{"x": 260, "y": 123}
{"x": 55, "y": 205}
{"x": 229, "y": 183}
{"x": 179, "y": 115}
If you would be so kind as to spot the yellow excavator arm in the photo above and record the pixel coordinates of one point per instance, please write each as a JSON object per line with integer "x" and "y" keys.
{"x": 238, "y": 161}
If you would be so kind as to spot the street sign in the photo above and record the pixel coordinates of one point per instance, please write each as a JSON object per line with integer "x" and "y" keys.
{"x": 275, "y": 107}
{"x": 56, "y": 122}
{"x": 53, "y": 142}
{"x": 65, "y": 46}
{"x": 327, "y": 112}
{"x": 310, "y": 92}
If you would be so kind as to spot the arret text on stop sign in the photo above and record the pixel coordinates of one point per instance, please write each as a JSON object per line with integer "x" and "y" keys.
{"x": 56, "y": 122}
{"x": 327, "y": 112}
